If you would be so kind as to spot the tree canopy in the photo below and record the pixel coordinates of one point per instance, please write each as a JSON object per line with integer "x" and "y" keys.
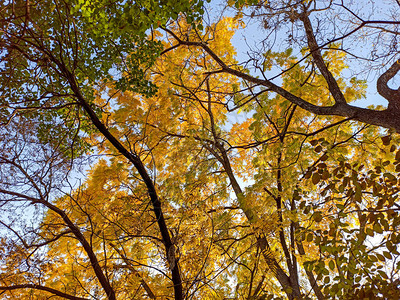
{"x": 142, "y": 157}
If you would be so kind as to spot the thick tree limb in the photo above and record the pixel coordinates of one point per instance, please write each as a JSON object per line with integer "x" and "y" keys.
{"x": 292, "y": 290}
{"x": 310, "y": 275}
{"x": 135, "y": 160}
{"x": 42, "y": 288}
{"x": 391, "y": 95}
{"x": 79, "y": 236}
{"x": 388, "y": 118}
{"x": 319, "y": 61}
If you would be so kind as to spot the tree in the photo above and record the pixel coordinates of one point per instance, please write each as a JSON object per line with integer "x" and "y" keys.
{"x": 186, "y": 203}
{"x": 59, "y": 57}
{"x": 316, "y": 39}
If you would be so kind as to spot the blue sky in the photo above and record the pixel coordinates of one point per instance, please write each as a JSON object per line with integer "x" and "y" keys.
{"x": 251, "y": 36}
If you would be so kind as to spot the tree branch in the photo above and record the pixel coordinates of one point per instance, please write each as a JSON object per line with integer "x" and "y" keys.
{"x": 42, "y": 288}
{"x": 319, "y": 61}
{"x": 391, "y": 95}
{"x": 138, "y": 164}
{"x": 386, "y": 118}
{"x": 78, "y": 234}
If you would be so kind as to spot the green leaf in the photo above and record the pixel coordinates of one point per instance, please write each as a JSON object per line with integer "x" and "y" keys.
{"x": 383, "y": 274}
{"x": 331, "y": 265}
{"x": 369, "y": 231}
{"x": 310, "y": 237}
{"x": 397, "y": 157}
{"x": 390, "y": 177}
{"x": 325, "y": 175}
{"x": 317, "y": 216}
{"x": 378, "y": 228}
{"x": 387, "y": 254}
{"x": 380, "y": 257}
{"x": 386, "y": 139}
{"x": 315, "y": 178}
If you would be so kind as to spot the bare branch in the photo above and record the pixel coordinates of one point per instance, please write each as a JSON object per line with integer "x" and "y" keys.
{"x": 41, "y": 288}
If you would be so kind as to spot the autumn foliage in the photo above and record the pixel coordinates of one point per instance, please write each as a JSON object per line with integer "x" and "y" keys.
{"x": 166, "y": 169}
